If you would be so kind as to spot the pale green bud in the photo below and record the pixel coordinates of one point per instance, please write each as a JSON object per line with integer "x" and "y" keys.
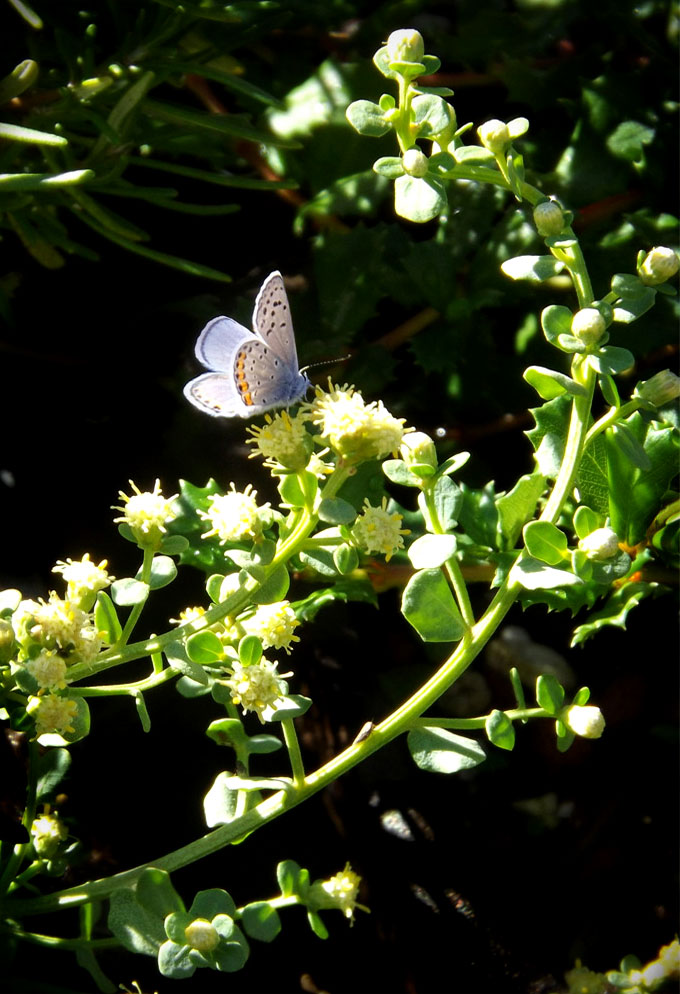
{"x": 201, "y": 935}
{"x": 603, "y": 543}
{"x": 414, "y": 162}
{"x": 588, "y": 325}
{"x": 494, "y": 135}
{"x": 658, "y": 266}
{"x": 419, "y": 453}
{"x": 585, "y": 720}
{"x": 6, "y": 641}
{"x": 661, "y": 389}
{"x": 406, "y": 45}
{"x": 548, "y": 218}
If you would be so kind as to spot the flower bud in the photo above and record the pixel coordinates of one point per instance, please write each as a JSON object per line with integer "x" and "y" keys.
{"x": 548, "y": 218}
{"x": 661, "y": 389}
{"x": 588, "y": 325}
{"x": 414, "y": 162}
{"x": 494, "y": 135}
{"x": 658, "y": 266}
{"x": 601, "y": 544}
{"x": 406, "y": 45}
{"x": 419, "y": 453}
{"x": 201, "y": 935}
{"x": 586, "y": 721}
{"x": 47, "y": 832}
{"x": 6, "y": 641}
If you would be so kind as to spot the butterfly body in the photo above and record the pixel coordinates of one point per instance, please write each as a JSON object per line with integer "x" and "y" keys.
{"x": 249, "y": 371}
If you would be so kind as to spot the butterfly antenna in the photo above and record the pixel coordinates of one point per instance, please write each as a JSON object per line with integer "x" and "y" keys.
{"x": 326, "y": 362}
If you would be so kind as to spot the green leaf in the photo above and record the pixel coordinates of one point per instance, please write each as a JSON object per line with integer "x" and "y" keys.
{"x": 345, "y": 559}
{"x": 106, "y": 619}
{"x": 437, "y": 750}
{"x": 155, "y": 892}
{"x": 250, "y": 650}
{"x": 274, "y": 588}
{"x": 397, "y": 471}
{"x": 546, "y": 542}
{"x": 549, "y": 435}
{"x": 174, "y": 961}
{"x": 319, "y": 560}
{"x": 316, "y": 924}
{"x": 627, "y": 444}
{"x": 453, "y": 464}
{"x": 142, "y": 713}
{"x": 229, "y": 125}
{"x": 548, "y": 383}
{"x": 14, "y": 132}
{"x": 556, "y": 321}
{"x": 611, "y": 360}
{"x": 419, "y": 199}
{"x": 428, "y": 605}
{"x": 51, "y": 768}
{"x": 628, "y": 139}
{"x": 204, "y": 647}
{"x": 220, "y": 804}
{"x": 592, "y": 482}
{"x": 177, "y": 658}
{"x": 630, "y": 309}
{"x": 210, "y": 903}
{"x": 448, "y": 501}
{"x": 586, "y": 521}
{"x": 337, "y": 511}
{"x": 291, "y": 706}
{"x": 609, "y": 390}
{"x": 517, "y": 506}
{"x": 136, "y": 929}
{"x": 173, "y": 545}
{"x": 500, "y": 730}
{"x": 261, "y": 921}
{"x": 389, "y": 166}
{"x": 616, "y": 609}
{"x": 430, "y": 551}
{"x": 163, "y": 572}
{"x": 635, "y": 493}
{"x": 479, "y": 515}
{"x": 536, "y": 268}
{"x": 11, "y": 182}
{"x": 549, "y": 693}
{"x": 535, "y": 575}
{"x": 21, "y": 78}
{"x": 431, "y": 115}
{"x": 292, "y": 879}
{"x": 367, "y": 118}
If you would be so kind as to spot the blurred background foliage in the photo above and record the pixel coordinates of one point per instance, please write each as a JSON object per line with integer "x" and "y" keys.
{"x": 185, "y": 151}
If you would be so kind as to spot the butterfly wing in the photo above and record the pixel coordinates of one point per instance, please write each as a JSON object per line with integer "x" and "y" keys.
{"x": 272, "y": 321}
{"x": 219, "y": 342}
{"x": 216, "y": 394}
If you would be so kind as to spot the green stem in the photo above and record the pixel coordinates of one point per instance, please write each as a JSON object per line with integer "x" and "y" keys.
{"x": 452, "y": 565}
{"x": 134, "y": 614}
{"x": 293, "y": 747}
{"x": 19, "y": 852}
{"x": 515, "y": 714}
{"x": 611, "y": 417}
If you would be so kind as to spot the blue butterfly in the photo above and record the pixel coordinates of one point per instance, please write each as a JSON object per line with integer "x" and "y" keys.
{"x": 250, "y": 371}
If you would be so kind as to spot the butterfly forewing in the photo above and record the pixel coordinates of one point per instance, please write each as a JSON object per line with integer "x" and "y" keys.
{"x": 219, "y": 342}
{"x": 272, "y": 320}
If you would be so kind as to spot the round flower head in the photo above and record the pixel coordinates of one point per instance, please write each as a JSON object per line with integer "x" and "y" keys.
{"x": 588, "y": 325}
{"x": 601, "y": 544}
{"x": 49, "y": 671}
{"x": 256, "y": 687}
{"x": 339, "y": 892}
{"x": 548, "y": 218}
{"x": 658, "y": 266}
{"x": 234, "y": 515}
{"x": 355, "y": 430}
{"x": 660, "y": 389}
{"x": 494, "y": 135}
{"x": 376, "y": 530}
{"x": 147, "y": 514}
{"x": 59, "y": 624}
{"x": 52, "y": 714}
{"x": 274, "y": 625}
{"x": 202, "y": 935}
{"x": 586, "y": 721}
{"x": 47, "y": 831}
{"x": 415, "y": 162}
{"x": 405, "y": 45}
{"x": 83, "y": 578}
{"x": 283, "y": 440}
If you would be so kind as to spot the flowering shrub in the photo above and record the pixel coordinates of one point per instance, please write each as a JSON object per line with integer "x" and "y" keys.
{"x": 577, "y": 531}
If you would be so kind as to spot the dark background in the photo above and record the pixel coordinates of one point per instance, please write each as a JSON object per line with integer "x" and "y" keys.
{"x": 489, "y": 894}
